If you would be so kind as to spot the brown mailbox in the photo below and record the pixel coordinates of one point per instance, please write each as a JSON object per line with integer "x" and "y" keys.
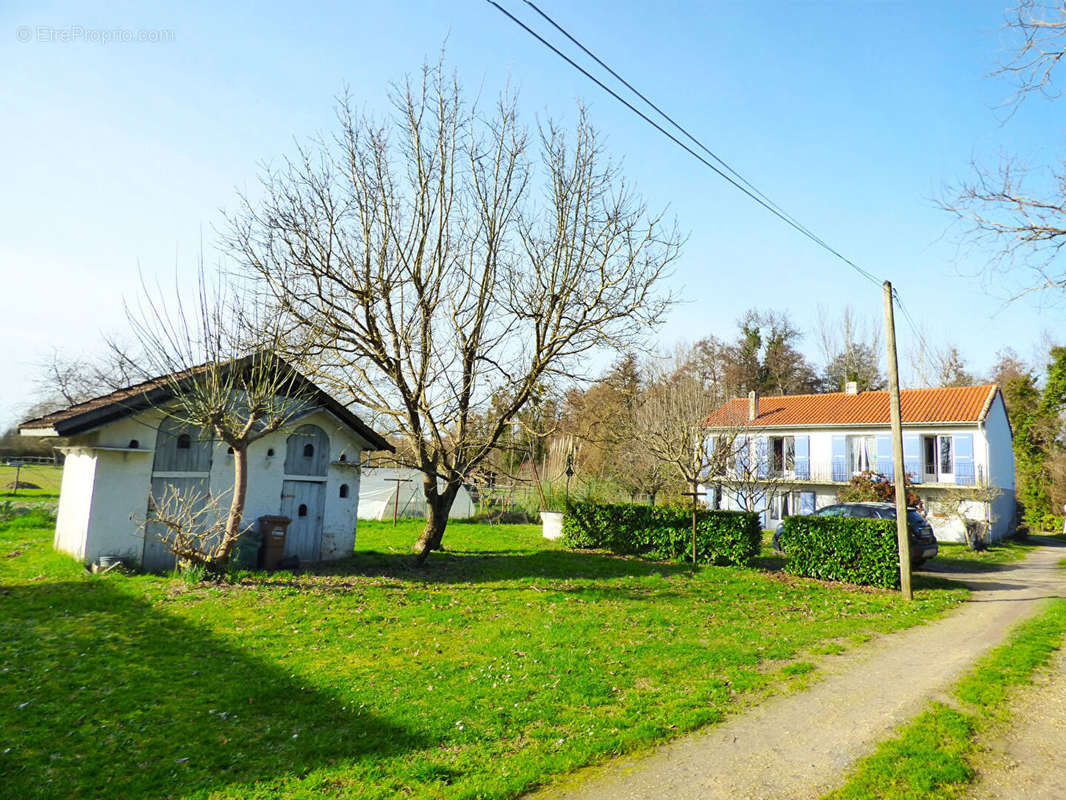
{"x": 273, "y": 530}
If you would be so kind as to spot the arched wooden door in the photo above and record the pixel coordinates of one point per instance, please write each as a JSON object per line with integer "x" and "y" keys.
{"x": 182, "y": 464}
{"x": 303, "y": 491}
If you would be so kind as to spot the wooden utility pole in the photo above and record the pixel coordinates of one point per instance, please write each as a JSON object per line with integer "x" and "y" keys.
{"x": 902, "y": 536}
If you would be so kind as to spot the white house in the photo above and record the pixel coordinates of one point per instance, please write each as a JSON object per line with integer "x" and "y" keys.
{"x": 804, "y": 448}
{"x": 121, "y": 448}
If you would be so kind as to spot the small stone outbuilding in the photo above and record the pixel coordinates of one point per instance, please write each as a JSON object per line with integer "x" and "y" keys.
{"x": 121, "y": 449}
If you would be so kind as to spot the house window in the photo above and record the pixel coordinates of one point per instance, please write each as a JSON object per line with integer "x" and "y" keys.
{"x": 929, "y": 453}
{"x": 782, "y": 454}
{"x": 781, "y": 505}
{"x": 184, "y": 441}
{"x": 938, "y": 457}
{"x": 344, "y": 490}
{"x": 862, "y": 453}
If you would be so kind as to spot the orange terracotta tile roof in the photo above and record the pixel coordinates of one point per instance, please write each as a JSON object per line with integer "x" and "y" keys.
{"x": 957, "y": 404}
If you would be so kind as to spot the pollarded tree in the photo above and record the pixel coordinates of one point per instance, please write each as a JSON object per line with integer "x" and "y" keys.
{"x": 211, "y": 364}
{"x": 443, "y": 258}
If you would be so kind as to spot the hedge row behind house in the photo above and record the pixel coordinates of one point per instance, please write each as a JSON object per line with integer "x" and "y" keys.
{"x": 722, "y": 537}
{"x": 863, "y": 551}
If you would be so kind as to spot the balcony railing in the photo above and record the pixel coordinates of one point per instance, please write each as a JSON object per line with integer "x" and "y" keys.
{"x": 837, "y": 472}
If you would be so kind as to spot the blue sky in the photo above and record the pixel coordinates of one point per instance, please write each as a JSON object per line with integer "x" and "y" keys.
{"x": 852, "y": 115}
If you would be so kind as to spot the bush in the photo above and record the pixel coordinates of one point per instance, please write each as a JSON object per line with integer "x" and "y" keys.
{"x": 1051, "y": 522}
{"x": 873, "y": 487}
{"x": 863, "y": 551}
{"x": 722, "y": 537}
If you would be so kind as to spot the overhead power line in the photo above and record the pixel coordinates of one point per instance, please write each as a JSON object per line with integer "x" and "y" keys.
{"x": 734, "y": 178}
{"x": 738, "y": 182}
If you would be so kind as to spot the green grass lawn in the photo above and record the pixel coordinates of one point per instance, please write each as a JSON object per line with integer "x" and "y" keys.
{"x": 508, "y": 660}
{"x": 46, "y": 477}
{"x": 933, "y": 757}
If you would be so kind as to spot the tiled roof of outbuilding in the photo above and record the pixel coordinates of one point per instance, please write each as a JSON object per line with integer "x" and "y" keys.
{"x": 131, "y": 399}
{"x": 917, "y": 406}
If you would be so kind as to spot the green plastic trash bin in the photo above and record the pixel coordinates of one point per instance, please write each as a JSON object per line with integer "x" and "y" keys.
{"x": 248, "y": 544}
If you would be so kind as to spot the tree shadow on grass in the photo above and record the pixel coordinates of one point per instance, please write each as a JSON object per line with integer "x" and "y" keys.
{"x": 105, "y": 695}
{"x": 491, "y": 566}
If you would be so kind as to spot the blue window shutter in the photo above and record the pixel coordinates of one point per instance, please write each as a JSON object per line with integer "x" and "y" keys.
{"x": 963, "y": 446}
{"x": 803, "y": 458}
{"x": 840, "y": 458}
{"x": 762, "y": 457}
{"x": 806, "y": 502}
{"x": 743, "y": 458}
{"x": 765, "y": 518}
{"x": 884, "y": 455}
{"x": 912, "y": 457}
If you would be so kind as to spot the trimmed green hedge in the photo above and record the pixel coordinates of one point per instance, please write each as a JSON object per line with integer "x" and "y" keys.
{"x": 722, "y": 537}
{"x": 851, "y": 549}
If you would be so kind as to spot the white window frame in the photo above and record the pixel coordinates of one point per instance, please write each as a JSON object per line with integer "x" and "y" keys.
{"x": 855, "y": 459}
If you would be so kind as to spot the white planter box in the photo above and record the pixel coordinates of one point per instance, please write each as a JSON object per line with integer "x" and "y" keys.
{"x": 552, "y": 524}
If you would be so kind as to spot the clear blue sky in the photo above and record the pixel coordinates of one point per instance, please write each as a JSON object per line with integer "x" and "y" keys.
{"x": 853, "y": 115}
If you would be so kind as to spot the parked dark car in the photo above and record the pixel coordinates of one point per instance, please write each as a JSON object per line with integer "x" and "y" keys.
{"x": 923, "y": 542}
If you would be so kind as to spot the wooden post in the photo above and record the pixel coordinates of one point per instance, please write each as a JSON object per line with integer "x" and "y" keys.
{"x": 18, "y": 473}
{"x": 899, "y": 479}
{"x": 695, "y": 507}
{"x": 396, "y": 499}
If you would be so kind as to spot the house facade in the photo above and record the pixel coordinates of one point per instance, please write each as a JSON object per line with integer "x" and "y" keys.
{"x": 792, "y": 454}
{"x": 123, "y": 452}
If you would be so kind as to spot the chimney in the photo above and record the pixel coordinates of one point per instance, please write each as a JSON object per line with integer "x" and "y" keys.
{"x": 851, "y": 387}
{"x": 753, "y": 406}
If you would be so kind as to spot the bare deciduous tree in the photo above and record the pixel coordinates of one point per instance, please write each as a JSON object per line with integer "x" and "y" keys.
{"x": 852, "y": 351}
{"x": 214, "y": 365}
{"x": 669, "y": 424}
{"x": 1042, "y": 28}
{"x": 430, "y": 264}
{"x": 65, "y": 380}
{"x": 1001, "y": 210}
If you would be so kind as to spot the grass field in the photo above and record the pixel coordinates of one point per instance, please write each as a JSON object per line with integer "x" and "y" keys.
{"x": 508, "y": 660}
{"x": 46, "y": 477}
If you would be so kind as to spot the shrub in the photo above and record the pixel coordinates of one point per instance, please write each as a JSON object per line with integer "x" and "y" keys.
{"x": 873, "y": 487}
{"x": 1051, "y": 522}
{"x": 722, "y": 537}
{"x": 862, "y": 551}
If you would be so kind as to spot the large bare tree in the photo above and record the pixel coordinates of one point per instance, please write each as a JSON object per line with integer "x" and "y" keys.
{"x": 443, "y": 257}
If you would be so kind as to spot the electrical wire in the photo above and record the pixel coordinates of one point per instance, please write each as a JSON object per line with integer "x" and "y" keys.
{"x": 754, "y": 194}
{"x": 735, "y": 178}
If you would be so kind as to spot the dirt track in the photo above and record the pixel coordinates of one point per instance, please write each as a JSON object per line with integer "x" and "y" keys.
{"x": 800, "y": 746}
{"x": 1027, "y": 760}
